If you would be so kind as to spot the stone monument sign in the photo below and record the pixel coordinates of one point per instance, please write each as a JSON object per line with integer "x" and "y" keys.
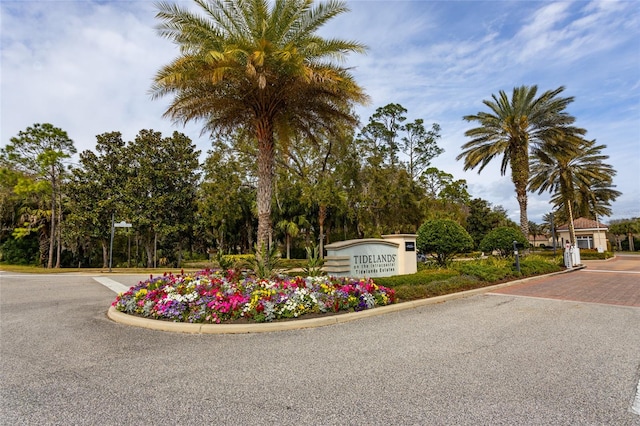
{"x": 372, "y": 257}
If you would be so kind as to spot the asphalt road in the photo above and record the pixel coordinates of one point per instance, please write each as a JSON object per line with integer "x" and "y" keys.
{"x": 493, "y": 359}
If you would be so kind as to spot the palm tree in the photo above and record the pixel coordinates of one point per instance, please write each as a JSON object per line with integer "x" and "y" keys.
{"x": 291, "y": 230}
{"x": 511, "y": 128}
{"x": 595, "y": 199}
{"x": 535, "y": 230}
{"x": 258, "y": 66}
{"x": 628, "y": 228}
{"x": 564, "y": 168}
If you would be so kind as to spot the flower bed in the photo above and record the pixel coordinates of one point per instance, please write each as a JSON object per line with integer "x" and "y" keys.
{"x": 214, "y": 297}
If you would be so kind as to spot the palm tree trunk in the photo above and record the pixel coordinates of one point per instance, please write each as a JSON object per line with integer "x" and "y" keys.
{"x": 524, "y": 220}
{"x": 520, "y": 177}
{"x": 572, "y": 231}
{"x": 264, "y": 132}
{"x": 566, "y": 190}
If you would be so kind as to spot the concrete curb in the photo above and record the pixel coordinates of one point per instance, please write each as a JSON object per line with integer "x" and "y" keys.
{"x": 178, "y": 327}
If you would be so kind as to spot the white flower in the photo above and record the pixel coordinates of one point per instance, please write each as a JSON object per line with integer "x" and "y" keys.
{"x": 189, "y": 297}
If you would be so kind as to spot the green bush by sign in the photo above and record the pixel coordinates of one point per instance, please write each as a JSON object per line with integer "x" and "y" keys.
{"x": 442, "y": 239}
{"x": 501, "y": 240}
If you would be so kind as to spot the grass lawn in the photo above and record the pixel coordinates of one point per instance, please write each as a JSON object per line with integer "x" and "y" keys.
{"x": 39, "y": 270}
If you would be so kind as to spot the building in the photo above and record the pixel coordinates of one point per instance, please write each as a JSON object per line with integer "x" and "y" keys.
{"x": 543, "y": 240}
{"x": 589, "y": 234}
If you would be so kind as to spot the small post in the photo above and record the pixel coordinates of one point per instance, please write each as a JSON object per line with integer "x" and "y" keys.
{"x": 553, "y": 235}
{"x": 115, "y": 225}
{"x": 515, "y": 251}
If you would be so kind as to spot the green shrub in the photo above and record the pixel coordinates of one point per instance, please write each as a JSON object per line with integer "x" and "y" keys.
{"x": 549, "y": 253}
{"x": 501, "y": 239}
{"x": 193, "y": 256}
{"x": 491, "y": 269}
{"x": 586, "y": 254}
{"x": 293, "y": 263}
{"x": 224, "y": 262}
{"x": 443, "y": 239}
{"x": 265, "y": 263}
{"x": 240, "y": 260}
{"x": 495, "y": 269}
{"x": 539, "y": 265}
{"x": 424, "y": 276}
{"x": 313, "y": 268}
{"x": 429, "y": 283}
{"x": 437, "y": 288}
{"x": 20, "y": 251}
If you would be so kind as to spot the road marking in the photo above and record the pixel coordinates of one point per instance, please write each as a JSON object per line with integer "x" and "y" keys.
{"x": 562, "y": 299}
{"x": 111, "y": 284}
{"x": 616, "y": 272}
{"x": 635, "y": 408}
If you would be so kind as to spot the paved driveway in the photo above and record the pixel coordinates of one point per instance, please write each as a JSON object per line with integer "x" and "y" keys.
{"x": 484, "y": 360}
{"x": 615, "y": 281}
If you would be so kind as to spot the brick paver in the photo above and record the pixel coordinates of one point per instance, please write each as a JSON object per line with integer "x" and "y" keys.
{"x": 613, "y": 282}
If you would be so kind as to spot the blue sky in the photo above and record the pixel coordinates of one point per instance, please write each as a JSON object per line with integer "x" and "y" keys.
{"x": 86, "y": 67}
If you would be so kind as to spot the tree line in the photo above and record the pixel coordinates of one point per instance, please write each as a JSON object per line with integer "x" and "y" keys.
{"x": 326, "y": 188}
{"x": 329, "y": 187}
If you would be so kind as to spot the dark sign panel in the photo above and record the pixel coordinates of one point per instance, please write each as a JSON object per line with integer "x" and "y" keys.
{"x": 409, "y": 246}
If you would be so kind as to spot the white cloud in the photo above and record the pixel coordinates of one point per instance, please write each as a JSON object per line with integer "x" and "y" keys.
{"x": 86, "y": 68}
{"x": 545, "y": 20}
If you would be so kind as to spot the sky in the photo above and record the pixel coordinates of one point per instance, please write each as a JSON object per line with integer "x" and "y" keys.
{"x": 87, "y": 68}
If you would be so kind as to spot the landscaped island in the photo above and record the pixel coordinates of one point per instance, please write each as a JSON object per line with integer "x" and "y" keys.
{"x": 216, "y": 297}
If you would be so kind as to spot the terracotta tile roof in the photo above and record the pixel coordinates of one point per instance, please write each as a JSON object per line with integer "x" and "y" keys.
{"x": 584, "y": 223}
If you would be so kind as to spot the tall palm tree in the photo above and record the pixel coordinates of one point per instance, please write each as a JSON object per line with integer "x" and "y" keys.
{"x": 257, "y": 65}
{"x": 565, "y": 168}
{"x": 511, "y": 128}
